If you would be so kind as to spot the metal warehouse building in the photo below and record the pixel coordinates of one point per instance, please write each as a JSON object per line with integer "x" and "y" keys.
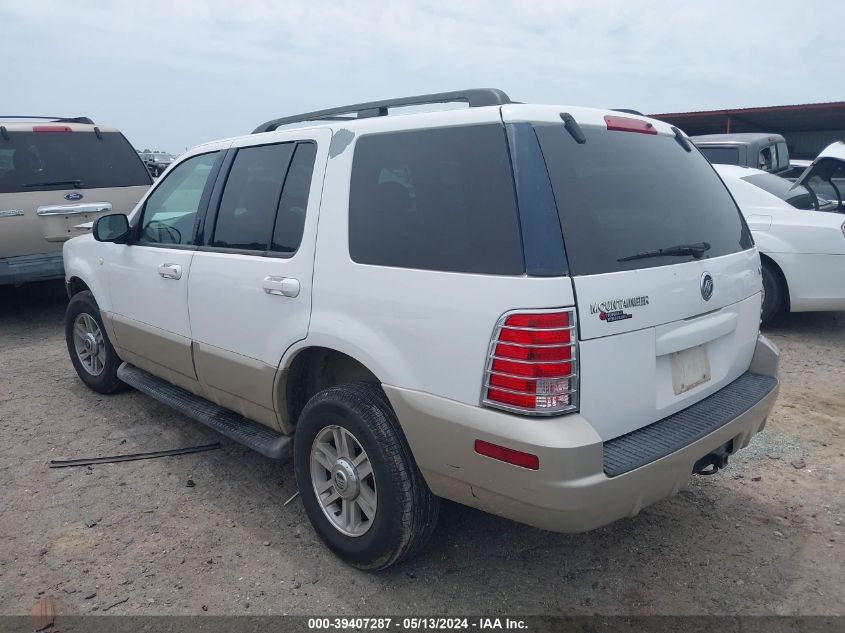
{"x": 808, "y": 128}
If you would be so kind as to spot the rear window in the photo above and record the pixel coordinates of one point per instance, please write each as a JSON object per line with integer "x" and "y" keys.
{"x": 435, "y": 199}
{"x": 796, "y": 195}
{"x": 44, "y": 161}
{"x": 721, "y": 155}
{"x": 623, "y": 193}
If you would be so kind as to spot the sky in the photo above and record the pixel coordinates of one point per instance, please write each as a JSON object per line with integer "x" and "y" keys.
{"x": 172, "y": 74}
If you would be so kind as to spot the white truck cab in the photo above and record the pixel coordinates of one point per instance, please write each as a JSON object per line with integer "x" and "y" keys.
{"x": 549, "y": 313}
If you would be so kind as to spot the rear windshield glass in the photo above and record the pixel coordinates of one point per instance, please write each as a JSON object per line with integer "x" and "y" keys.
{"x": 721, "y": 155}
{"x": 796, "y": 195}
{"x": 44, "y": 161}
{"x": 623, "y": 193}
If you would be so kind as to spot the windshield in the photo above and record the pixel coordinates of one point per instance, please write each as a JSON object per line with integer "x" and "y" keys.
{"x": 796, "y": 195}
{"x": 44, "y": 161}
{"x": 620, "y": 194}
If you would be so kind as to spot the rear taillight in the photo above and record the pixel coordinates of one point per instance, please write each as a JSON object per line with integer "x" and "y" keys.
{"x": 532, "y": 365}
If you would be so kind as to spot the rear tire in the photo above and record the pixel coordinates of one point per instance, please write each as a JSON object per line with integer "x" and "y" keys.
{"x": 773, "y": 294}
{"x": 89, "y": 347}
{"x": 402, "y": 510}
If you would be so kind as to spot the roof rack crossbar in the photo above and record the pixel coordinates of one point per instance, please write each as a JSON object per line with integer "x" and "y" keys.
{"x": 56, "y": 119}
{"x": 475, "y": 98}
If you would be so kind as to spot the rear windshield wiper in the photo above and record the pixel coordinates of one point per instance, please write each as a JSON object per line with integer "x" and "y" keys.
{"x": 76, "y": 183}
{"x": 696, "y": 250}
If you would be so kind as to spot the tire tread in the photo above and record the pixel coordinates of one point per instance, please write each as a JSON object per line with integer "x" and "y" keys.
{"x": 420, "y": 508}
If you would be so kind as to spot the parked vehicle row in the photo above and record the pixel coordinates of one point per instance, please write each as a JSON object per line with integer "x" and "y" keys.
{"x": 156, "y": 162}
{"x": 55, "y": 174}
{"x": 820, "y": 183}
{"x": 505, "y": 306}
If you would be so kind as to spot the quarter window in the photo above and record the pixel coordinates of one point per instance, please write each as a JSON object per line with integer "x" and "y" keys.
{"x": 436, "y": 199}
{"x": 171, "y": 210}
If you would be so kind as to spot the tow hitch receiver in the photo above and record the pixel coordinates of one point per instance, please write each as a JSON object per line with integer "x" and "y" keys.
{"x": 713, "y": 462}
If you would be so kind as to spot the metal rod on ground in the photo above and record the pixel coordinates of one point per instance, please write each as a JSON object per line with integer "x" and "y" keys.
{"x": 293, "y": 496}
{"x": 131, "y": 458}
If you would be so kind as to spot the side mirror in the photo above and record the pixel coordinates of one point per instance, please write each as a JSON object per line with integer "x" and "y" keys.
{"x": 111, "y": 228}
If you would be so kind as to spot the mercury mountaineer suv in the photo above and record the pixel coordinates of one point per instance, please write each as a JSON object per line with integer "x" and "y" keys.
{"x": 545, "y": 312}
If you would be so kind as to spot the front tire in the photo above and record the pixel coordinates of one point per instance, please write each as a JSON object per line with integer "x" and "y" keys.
{"x": 773, "y": 294}
{"x": 359, "y": 483}
{"x": 89, "y": 347}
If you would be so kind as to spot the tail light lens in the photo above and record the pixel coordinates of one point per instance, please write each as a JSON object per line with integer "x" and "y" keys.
{"x": 51, "y": 128}
{"x": 627, "y": 124}
{"x": 532, "y": 366}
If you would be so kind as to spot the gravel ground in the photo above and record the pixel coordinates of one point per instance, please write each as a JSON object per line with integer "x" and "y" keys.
{"x": 764, "y": 536}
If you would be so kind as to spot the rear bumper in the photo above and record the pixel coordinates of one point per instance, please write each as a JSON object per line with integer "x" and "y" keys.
{"x": 27, "y": 268}
{"x": 571, "y": 492}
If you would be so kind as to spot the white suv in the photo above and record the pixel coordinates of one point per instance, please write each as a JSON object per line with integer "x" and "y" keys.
{"x": 548, "y": 313}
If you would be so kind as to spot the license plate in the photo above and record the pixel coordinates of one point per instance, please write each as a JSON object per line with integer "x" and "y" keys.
{"x": 73, "y": 222}
{"x": 690, "y": 368}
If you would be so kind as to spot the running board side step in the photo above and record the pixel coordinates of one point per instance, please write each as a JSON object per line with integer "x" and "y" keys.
{"x": 250, "y": 433}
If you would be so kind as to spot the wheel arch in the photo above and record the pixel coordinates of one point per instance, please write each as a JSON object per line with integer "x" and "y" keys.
{"x": 767, "y": 260}
{"x": 74, "y": 285}
{"x": 84, "y": 269}
{"x": 311, "y": 369}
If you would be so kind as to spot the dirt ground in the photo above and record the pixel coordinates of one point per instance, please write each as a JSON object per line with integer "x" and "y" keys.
{"x": 764, "y": 536}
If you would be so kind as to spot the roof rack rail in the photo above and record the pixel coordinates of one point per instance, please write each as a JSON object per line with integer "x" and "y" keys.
{"x": 628, "y": 111}
{"x": 475, "y": 97}
{"x": 55, "y": 119}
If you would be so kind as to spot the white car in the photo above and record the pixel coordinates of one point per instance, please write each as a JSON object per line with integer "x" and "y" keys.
{"x": 802, "y": 251}
{"x": 502, "y": 305}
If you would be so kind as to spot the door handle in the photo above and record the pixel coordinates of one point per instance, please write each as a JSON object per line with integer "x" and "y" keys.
{"x": 281, "y": 286}
{"x": 170, "y": 271}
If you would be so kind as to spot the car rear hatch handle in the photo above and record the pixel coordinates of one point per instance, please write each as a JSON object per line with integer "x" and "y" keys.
{"x": 71, "y": 209}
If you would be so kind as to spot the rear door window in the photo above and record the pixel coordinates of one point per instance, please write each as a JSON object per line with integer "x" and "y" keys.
{"x": 251, "y": 197}
{"x": 46, "y": 161}
{"x": 435, "y": 199}
{"x": 622, "y": 193}
{"x": 290, "y": 219}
